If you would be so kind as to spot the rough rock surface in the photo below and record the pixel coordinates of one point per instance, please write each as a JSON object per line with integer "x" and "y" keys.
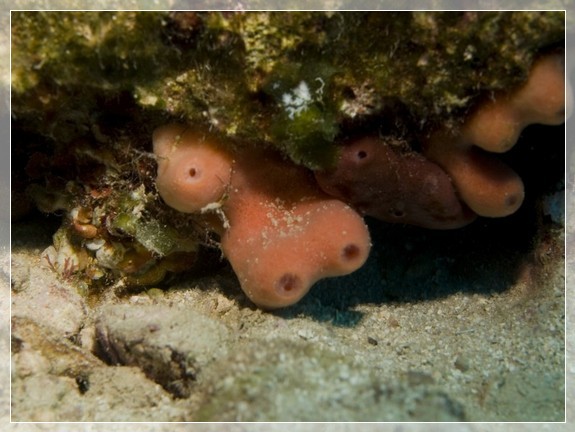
{"x": 46, "y": 299}
{"x": 170, "y": 344}
{"x": 54, "y": 381}
{"x": 333, "y": 382}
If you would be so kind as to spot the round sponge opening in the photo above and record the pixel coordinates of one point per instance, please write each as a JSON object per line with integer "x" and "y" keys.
{"x": 288, "y": 284}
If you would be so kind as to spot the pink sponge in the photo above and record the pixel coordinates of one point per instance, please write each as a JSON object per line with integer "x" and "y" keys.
{"x": 285, "y": 234}
{"x": 193, "y": 170}
{"x": 279, "y": 231}
{"x": 395, "y": 186}
{"x": 485, "y": 184}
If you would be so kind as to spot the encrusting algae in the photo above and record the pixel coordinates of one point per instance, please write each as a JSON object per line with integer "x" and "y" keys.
{"x": 284, "y": 101}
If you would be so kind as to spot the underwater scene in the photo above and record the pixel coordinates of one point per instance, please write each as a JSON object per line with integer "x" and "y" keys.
{"x": 237, "y": 216}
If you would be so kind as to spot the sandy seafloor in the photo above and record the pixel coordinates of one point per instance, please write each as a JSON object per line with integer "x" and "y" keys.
{"x": 463, "y": 350}
{"x": 470, "y": 353}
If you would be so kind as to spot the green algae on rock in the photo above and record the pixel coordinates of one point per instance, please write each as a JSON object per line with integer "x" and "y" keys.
{"x": 217, "y": 68}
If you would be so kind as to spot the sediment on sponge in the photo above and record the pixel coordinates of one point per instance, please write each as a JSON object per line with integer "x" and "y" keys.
{"x": 279, "y": 231}
{"x": 283, "y": 240}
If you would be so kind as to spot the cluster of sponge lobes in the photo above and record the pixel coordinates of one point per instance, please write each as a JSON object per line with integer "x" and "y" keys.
{"x": 278, "y": 230}
{"x": 283, "y": 228}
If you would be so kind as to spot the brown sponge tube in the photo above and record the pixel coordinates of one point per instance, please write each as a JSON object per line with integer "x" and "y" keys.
{"x": 496, "y": 124}
{"x": 484, "y": 183}
{"x": 381, "y": 181}
{"x": 488, "y": 186}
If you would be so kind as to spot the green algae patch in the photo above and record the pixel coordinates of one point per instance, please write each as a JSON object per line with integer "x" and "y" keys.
{"x": 219, "y": 69}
